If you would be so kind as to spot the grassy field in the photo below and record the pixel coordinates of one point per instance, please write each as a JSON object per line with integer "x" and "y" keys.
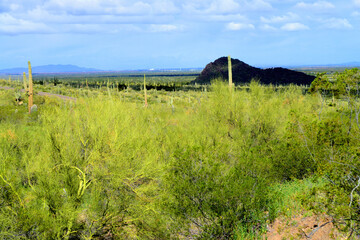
{"x": 206, "y": 164}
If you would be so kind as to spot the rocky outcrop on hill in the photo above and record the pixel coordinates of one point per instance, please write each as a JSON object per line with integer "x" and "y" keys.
{"x": 244, "y": 73}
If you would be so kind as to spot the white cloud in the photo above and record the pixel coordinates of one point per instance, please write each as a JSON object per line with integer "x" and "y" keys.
{"x": 211, "y": 7}
{"x": 239, "y": 26}
{"x": 294, "y": 27}
{"x": 267, "y": 27}
{"x": 40, "y": 20}
{"x": 278, "y": 19}
{"x": 337, "y": 23}
{"x": 41, "y": 15}
{"x": 170, "y": 15}
{"x": 14, "y": 7}
{"x": 355, "y": 14}
{"x": 12, "y": 25}
{"x": 96, "y": 7}
{"x": 225, "y": 17}
{"x": 83, "y": 28}
{"x": 163, "y": 28}
{"x": 319, "y": 5}
{"x": 164, "y": 6}
{"x": 258, "y": 5}
{"x": 73, "y": 6}
{"x": 101, "y": 7}
{"x": 223, "y": 6}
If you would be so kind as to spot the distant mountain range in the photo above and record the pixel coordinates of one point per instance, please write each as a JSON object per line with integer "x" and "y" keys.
{"x": 59, "y": 68}
{"x": 349, "y": 64}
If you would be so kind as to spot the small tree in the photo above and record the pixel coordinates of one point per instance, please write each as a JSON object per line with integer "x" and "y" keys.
{"x": 348, "y": 82}
{"x": 320, "y": 84}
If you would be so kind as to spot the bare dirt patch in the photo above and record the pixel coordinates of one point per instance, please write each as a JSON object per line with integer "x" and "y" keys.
{"x": 46, "y": 94}
{"x": 304, "y": 227}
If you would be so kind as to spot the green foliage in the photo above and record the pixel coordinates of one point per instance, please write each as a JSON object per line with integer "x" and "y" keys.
{"x": 320, "y": 83}
{"x": 337, "y": 155}
{"x": 206, "y": 196}
{"x": 349, "y": 79}
{"x": 216, "y": 164}
{"x": 346, "y": 83}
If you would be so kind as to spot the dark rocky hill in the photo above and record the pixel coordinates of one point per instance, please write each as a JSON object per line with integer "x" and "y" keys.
{"x": 244, "y": 73}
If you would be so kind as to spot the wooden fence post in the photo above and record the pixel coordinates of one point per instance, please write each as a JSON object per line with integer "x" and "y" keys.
{"x": 30, "y": 88}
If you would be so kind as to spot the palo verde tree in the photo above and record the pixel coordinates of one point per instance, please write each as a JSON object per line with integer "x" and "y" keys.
{"x": 321, "y": 83}
{"x": 337, "y": 149}
{"x": 348, "y": 82}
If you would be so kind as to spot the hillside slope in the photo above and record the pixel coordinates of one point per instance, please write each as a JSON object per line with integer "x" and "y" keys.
{"x": 244, "y": 73}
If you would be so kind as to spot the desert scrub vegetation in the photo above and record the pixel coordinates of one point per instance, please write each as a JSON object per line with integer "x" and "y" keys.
{"x": 205, "y": 165}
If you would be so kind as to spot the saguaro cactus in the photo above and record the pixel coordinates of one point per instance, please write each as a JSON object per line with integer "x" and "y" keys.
{"x": 30, "y": 87}
{"x": 145, "y": 95}
{"x": 25, "y": 84}
{"x": 108, "y": 88}
{"x": 230, "y": 72}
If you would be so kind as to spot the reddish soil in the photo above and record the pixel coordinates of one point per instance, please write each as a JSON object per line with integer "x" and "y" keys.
{"x": 304, "y": 227}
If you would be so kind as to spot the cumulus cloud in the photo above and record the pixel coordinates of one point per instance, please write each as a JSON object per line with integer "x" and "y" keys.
{"x": 62, "y": 15}
{"x": 355, "y": 14}
{"x": 163, "y": 28}
{"x": 279, "y": 19}
{"x": 267, "y": 27}
{"x": 101, "y": 7}
{"x": 43, "y": 15}
{"x": 319, "y": 5}
{"x": 258, "y": 5}
{"x": 166, "y": 15}
{"x": 239, "y": 26}
{"x": 96, "y": 7}
{"x": 164, "y": 7}
{"x": 223, "y": 6}
{"x": 337, "y": 23}
{"x": 224, "y": 17}
{"x": 12, "y": 25}
{"x": 14, "y": 7}
{"x": 212, "y": 7}
{"x": 294, "y": 27}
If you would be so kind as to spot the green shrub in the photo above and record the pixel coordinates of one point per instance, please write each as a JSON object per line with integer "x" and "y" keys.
{"x": 209, "y": 199}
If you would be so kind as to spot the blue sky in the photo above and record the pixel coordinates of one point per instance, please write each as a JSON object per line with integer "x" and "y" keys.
{"x": 142, "y": 34}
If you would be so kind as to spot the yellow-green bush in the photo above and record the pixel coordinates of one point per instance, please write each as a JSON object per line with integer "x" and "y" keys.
{"x": 198, "y": 164}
